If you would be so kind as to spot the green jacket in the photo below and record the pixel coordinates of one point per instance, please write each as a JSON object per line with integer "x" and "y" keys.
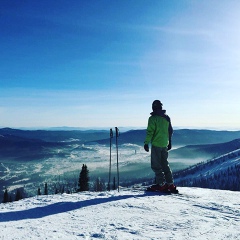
{"x": 159, "y": 130}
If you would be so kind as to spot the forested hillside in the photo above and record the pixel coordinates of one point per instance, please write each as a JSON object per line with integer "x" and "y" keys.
{"x": 219, "y": 173}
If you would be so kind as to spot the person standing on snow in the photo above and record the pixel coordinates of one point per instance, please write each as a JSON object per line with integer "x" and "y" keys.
{"x": 159, "y": 133}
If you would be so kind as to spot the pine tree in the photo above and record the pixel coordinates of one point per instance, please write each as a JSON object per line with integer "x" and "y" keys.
{"x": 108, "y": 187}
{"x": 99, "y": 185}
{"x": 18, "y": 195}
{"x": 5, "y": 196}
{"x": 114, "y": 183}
{"x": 46, "y": 189}
{"x": 62, "y": 189}
{"x": 83, "y": 182}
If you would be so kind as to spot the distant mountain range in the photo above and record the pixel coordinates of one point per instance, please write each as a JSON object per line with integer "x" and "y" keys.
{"x": 180, "y": 137}
{"x": 37, "y": 144}
{"x": 206, "y": 151}
{"x": 57, "y": 135}
{"x": 17, "y": 148}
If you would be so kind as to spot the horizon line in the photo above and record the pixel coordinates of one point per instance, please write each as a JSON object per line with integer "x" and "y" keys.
{"x": 127, "y": 128}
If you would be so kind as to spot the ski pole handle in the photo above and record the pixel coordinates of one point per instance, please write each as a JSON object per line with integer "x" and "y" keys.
{"x": 117, "y": 132}
{"x": 111, "y": 133}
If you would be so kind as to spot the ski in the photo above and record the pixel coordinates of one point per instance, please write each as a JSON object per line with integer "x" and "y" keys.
{"x": 148, "y": 190}
{"x": 161, "y": 192}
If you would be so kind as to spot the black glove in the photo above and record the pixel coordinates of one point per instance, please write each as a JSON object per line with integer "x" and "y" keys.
{"x": 169, "y": 147}
{"x": 146, "y": 147}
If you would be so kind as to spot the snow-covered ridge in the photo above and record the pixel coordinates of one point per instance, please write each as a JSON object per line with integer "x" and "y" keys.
{"x": 229, "y": 159}
{"x": 195, "y": 214}
{"x": 221, "y": 173}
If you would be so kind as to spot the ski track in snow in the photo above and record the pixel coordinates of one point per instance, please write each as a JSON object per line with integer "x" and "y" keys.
{"x": 194, "y": 214}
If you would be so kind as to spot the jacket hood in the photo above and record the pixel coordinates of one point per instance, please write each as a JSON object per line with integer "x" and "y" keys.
{"x": 158, "y": 112}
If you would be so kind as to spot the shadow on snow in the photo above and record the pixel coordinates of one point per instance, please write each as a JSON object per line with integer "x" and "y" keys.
{"x": 59, "y": 207}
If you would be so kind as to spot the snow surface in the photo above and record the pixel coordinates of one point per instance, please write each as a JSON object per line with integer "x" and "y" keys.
{"x": 129, "y": 214}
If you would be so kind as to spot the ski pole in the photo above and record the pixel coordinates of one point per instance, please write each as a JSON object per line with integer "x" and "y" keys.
{"x": 117, "y": 135}
{"x": 109, "y": 178}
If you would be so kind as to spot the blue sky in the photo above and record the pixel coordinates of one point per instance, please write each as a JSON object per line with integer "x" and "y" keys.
{"x": 102, "y": 63}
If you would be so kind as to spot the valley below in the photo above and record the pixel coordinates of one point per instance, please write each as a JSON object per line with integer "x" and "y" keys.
{"x": 29, "y": 159}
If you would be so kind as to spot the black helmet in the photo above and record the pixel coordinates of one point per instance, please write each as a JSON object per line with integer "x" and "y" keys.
{"x": 156, "y": 105}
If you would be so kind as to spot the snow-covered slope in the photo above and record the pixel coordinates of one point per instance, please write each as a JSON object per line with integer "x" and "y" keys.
{"x": 194, "y": 214}
{"x": 220, "y": 173}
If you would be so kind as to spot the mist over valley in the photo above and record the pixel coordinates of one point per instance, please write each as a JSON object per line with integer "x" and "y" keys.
{"x": 31, "y": 158}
